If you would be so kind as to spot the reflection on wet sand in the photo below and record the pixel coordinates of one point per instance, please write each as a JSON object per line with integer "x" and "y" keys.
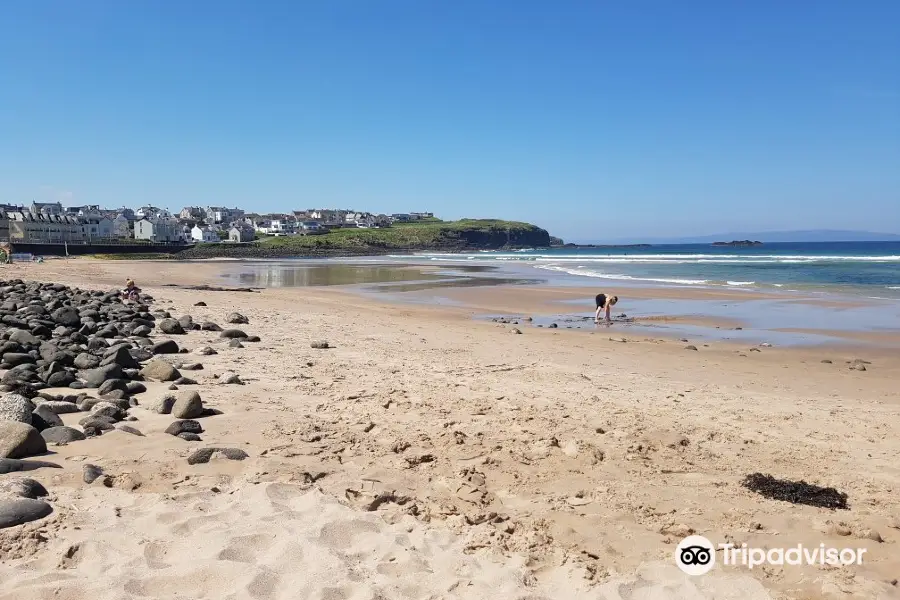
{"x": 387, "y": 278}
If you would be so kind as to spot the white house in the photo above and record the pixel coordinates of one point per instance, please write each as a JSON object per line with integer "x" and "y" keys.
{"x": 282, "y": 226}
{"x": 151, "y": 212}
{"x": 312, "y": 227}
{"x": 96, "y": 228}
{"x": 46, "y": 208}
{"x": 159, "y": 230}
{"x": 203, "y": 234}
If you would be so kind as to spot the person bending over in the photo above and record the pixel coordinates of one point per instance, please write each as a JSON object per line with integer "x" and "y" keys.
{"x": 604, "y": 305}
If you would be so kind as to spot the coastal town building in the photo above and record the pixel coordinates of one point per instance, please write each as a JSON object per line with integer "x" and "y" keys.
{"x": 159, "y": 230}
{"x": 46, "y": 208}
{"x": 203, "y": 234}
{"x": 222, "y": 215}
{"x": 240, "y": 234}
{"x": 151, "y": 212}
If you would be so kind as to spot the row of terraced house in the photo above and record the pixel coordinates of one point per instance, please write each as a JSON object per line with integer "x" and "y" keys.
{"x": 52, "y": 223}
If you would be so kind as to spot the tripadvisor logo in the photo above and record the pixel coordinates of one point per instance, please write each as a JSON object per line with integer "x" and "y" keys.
{"x": 696, "y": 555}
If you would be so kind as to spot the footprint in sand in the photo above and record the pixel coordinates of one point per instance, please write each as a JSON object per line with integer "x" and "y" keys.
{"x": 246, "y": 548}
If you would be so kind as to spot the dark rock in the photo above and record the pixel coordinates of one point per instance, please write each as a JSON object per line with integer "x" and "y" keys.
{"x": 62, "y": 435}
{"x": 96, "y": 344}
{"x": 43, "y": 418}
{"x": 86, "y": 361}
{"x": 88, "y": 402}
{"x": 93, "y": 432}
{"x": 14, "y": 359}
{"x": 189, "y": 437}
{"x": 209, "y": 326}
{"x": 91, "y": 473}
{"x": 142, "y": 354}
{"x": 107, "y": 410}
{"x": 237, "y": 319}
{"x": 253, "y": 338}
{"x": 230, "y": 378}
{"x": 320, "y": 345}
{"x": 128, "y": 429}
{"x": 205, "y": 351}
{"x": 113, "y": 384}
{"x": 136, "y": 387}
{"x": 12, "y": 465}
{"x": 22, "y": 510}
{"x": 188, "y": 426}
{"x": 201, "y": 303}
{"x": 61, "y": 379}
{"x": 121, "y": 357}
{"x": 142, "y": 331}
{"x": 826, "y": 361}
{"x": 232, "y": 334}
{"x": 110, "y": 331}
{"x": 691, "y": 347}
{"x": 68, "y": 317}
{"x": 165, "y": 347}
{"x": 20, "y": 440}
{"x": 185, "y": 381}
{"x": 95, "y": 377}
{"x": 97, "y": 422}
{"x": 186, "y": 322}
{"x": 23, "y": 487}
{"x": 160, "y": 370}
{"x": 170, "y": 327}
{"x": 20, "y": 336}
{"x": 203, "y": 455}
{"x": 192, "y": 367}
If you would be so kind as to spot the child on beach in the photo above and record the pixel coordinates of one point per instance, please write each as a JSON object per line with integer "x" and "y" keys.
{"x": 604, "y": 305}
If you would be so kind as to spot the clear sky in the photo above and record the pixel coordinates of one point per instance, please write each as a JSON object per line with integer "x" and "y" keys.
{"x": 595, "y": 119}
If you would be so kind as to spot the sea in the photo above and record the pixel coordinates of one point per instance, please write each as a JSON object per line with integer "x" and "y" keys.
{"x": 871, "y": 269}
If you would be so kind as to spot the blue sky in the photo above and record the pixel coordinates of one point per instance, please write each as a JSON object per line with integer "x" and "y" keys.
{"x": 596, "y": 120}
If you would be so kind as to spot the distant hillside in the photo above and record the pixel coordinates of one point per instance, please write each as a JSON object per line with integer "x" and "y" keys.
{"x": 451, "y": 236}
{"x": 812, "y": 235}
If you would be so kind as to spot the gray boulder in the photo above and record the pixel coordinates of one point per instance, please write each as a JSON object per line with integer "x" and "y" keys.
{"x": 22, "y": 487}
{"x": 60, "y": 407}
{"x": 142, "y": 331}
{"x": 67, "y": 317}
{"x": 61, "y": 379}
{"x": 20, "y": 440}
{"x": 189, "y": 437}
{"x": 136, "y": 387}
{"x": 43, "y": 418}
{"x": 188, "y": 405}
{"x": 204, "y": 455}
{"x": 95, "y": 377}
{"x": 14, "y": 359}
{"x": 62, "y": 435}
{"x": 111, "y": 385}
{"x": 233, "y": 334}
{"x": 165, "y": 347}
{"x": 16, "y": 407}
{"x": 237, "y": 319}
{"x": 209, "y": 326}
{"x": 12, "y": 465}
{"x": 86, "y": 361}
{"x": 122, "y": 357}
{"x": 160, "y": 370}
{"x": 170, "y": 327}
{"x": 18, "y": 511}
{"x": 164, "y": 405}
{"x": 109, "y": 410}
{"x": 187, "y": 426}
{"x": 20, "y": 336}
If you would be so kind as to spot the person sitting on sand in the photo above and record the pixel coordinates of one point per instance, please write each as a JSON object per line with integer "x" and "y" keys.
{"x": 131, "y": 291}
{"x": 604, "y": 304}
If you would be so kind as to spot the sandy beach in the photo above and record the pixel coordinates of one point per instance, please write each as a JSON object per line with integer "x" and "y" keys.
{"x": 427, "y": 454}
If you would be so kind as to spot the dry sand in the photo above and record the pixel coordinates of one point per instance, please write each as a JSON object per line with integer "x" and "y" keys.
{"x": 430, "y": 456}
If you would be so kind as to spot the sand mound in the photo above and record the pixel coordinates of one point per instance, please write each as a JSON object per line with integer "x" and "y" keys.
{"x": 280, "y": 541}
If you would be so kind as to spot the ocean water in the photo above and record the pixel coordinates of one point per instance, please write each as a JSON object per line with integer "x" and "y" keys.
{"x": 868, "y": 268}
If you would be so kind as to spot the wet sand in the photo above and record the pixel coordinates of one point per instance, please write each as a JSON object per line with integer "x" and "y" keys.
{"x": 565, "y": 464}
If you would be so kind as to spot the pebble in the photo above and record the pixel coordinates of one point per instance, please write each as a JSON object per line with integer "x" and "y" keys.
{"x": 90, "y": 473}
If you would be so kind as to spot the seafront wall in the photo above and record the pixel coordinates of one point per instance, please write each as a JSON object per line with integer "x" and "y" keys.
{"x": 80, "y": 249}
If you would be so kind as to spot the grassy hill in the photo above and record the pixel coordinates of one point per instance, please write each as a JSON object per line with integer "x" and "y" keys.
{"x": 466, "y": 234}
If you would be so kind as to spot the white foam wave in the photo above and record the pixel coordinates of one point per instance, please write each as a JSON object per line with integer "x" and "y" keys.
{"x": 741, "y": 282}
{"x": 669, "y": 258}
{"x": 893, "y": 287}
{"x": 621, "y": 276}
